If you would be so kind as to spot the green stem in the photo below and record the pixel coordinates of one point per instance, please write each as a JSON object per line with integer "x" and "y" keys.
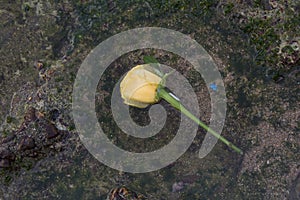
{"x": 162, "y": 93}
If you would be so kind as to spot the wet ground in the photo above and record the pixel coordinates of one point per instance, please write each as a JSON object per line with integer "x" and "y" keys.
{"x": 255, "y": 45}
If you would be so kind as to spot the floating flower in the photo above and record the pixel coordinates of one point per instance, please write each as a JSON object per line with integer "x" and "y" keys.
{"x": 144, "y": 85}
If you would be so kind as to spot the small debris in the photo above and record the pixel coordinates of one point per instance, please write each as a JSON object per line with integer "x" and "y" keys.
{"x": 295, "y": 45}
{"x": 38, "y": 65}
{"x": 60, "y": 126}
{"x": 213, "y": 86}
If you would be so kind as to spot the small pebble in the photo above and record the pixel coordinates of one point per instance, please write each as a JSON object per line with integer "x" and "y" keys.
{"x": 177, "y": 186}
{"x": 51, "y": 131}
{"x": 38, "y": 65}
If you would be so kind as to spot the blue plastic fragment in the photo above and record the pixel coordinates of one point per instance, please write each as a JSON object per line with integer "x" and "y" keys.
{"x": 213, "y": 86}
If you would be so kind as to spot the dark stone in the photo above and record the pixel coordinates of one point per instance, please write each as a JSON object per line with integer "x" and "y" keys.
{"x": 51, "y": 131}
{"x": 26, "y": 143}
{"x": 54, "y": 114}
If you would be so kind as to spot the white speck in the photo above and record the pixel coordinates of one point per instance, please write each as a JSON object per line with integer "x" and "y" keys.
{"x": 18, "y": 73}
{"x": 60, "y": 126}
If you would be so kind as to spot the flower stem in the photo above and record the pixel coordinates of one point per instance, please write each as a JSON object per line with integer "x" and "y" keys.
{"x": 162, "y": 93}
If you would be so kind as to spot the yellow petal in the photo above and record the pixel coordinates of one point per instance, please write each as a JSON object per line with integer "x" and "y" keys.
{"x": 138, "y": 88}
{"x": 145, "y": 94}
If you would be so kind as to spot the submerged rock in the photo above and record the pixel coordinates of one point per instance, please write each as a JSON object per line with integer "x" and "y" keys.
{"x": 26, "y": 143}
{"x": 51, "y": 130}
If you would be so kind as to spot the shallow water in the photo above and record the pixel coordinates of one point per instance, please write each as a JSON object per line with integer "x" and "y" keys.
{"x": 262, "y": 113}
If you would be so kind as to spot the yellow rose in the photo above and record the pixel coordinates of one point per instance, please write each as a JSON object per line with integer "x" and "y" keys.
{"x": 138, "y": 88}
